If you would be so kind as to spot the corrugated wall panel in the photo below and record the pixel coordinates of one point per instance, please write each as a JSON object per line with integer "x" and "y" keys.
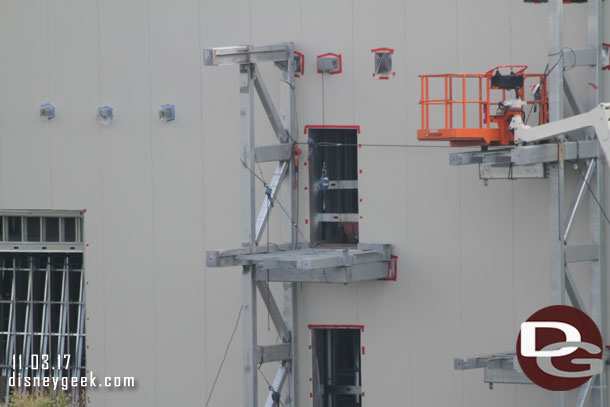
{"x": 26, "y": 140}
{"x": 127, "y": 198}
{"x": 177, "y": 199}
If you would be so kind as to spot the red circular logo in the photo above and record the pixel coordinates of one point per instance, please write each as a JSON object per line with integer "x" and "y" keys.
{"x": 560, "y": 348}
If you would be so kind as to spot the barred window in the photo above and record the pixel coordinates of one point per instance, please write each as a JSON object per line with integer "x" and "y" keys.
{"x": 42, "y": 295}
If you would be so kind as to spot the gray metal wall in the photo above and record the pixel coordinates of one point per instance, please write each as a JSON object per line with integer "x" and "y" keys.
{"x": 472, "y": 259}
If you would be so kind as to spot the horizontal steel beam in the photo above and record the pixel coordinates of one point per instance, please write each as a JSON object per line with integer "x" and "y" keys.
{"x": 322, "y": 265}
{"x": 44, "y": 247}
{"x": 273, "y": 152}
{"x": 343, "y": 184}
{"x": 273, "y": 353}
{"x": 582, "y": 252}
{"x": 579, "y": 57}
{"x": 499, "y": 156}
{"x": 499, "y": 368}
{"x": 62, "y": 213}
{"x": 344, "y": 390}
{"x": 337, "y": 217}
{"x": 244, "y": 54}
{"x": 507, "y": 171}
{"x": 228, "y": 257}
{"x": 498, "y": 360}
{"x": 572, "y": 150}
{"x": 528, "y": 154}
{"x": 313, "y": 259}
{"x": 507, "y": 376}
{"x": 338, "y": 275}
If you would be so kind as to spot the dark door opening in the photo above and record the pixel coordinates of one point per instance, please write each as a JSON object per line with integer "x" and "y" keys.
{"x": 333, "y": 177}
{"x": 337, "y": 377}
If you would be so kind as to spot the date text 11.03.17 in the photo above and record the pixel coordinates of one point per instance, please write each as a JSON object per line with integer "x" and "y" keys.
{"x": 40, "y": 362}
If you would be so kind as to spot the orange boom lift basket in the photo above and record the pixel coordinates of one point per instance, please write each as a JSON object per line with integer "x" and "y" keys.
{"x": 494, "y": 107}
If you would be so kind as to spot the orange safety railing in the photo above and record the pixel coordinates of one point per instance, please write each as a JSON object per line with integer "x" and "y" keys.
{"x": 490, "y": 126}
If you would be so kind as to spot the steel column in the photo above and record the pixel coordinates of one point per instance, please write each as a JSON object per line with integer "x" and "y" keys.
{"x": 598, "y": 392}
{"x": 556, "y": 170}
{"x": 246, "y": 91}
{"x": 284, "y": 126}
{"x": 290, "y": 231}
{"x": 249, "y": 332}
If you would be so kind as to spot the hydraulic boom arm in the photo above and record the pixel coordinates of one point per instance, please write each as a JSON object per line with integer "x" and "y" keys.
{"x": 598, "y": 118}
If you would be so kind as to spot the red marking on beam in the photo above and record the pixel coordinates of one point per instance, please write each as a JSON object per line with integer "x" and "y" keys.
{"x": 311, "y": 126}
{"x": 390, "y": 50}
{"x": 338, "y": 326}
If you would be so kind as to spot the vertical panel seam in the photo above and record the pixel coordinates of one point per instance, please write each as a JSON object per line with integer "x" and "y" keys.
{"x": 49, "y": 125}
{"x": 101, "y": 174}
{"x": 202, "y": 137}
{"x": 152, "y": 211}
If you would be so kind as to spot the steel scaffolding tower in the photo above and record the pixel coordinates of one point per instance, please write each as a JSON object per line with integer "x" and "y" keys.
{"x": 294, "y": 261}
{"x": 550, "y": 159}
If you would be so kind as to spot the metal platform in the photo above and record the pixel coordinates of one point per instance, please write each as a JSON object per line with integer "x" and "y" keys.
{"x": 525, "y": 161}
{"x": 498, "y": 368}
{"x": 529, "y": 155}
{"x": 310, "y": 265}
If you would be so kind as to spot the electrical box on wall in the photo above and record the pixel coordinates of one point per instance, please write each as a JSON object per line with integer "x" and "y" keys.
{"x": 330, "y": 63}
{"x": 333, "y": 177}
{"x": 105, "y": 115}
{"x": 47, "y": 111}
{"x": 167, "y": 113}
{"x": 382, "y": 59}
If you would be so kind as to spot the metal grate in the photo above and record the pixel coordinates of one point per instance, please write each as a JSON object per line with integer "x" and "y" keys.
{"x": 42, "y": 311}
{"x": 42, "y": 297}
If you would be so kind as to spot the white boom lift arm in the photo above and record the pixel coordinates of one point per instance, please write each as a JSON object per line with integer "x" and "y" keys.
{"x": 598, "y": 118}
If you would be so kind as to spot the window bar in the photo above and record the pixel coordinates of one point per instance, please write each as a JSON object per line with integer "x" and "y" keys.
{"x": 61, "y": 346}
{"x": 80, "y": 327}
{"x": 329, "y": 367}
{"x": 11, "y": 337}
{"x": 5, "y": 271}
{"x": 40, "y": 334}
{"x": 358, "y": 372}
{"x": 68, "y": 331}
{"x": 46, "y": 315}
{"x": 80, "y": 330}
{"x": 28, "y": 331}
{"x": 43, "y": 230}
